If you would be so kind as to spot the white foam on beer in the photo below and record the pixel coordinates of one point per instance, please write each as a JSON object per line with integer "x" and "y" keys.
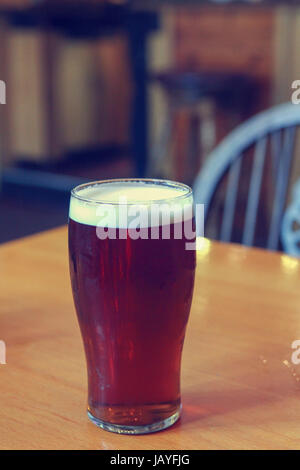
{"x": 113, "y": 197}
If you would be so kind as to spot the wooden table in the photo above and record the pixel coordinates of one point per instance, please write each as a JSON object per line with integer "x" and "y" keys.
{"x": 239, "y": 386}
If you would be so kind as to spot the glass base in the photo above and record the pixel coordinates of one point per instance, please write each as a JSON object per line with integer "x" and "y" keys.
{"x": 146, "y": 429}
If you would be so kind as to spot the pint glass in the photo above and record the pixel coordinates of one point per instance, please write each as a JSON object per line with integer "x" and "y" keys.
{"x": 132, "y": 271}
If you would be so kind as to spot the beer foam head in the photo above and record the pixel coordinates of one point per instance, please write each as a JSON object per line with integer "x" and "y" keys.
{"x": 115, "y": 203}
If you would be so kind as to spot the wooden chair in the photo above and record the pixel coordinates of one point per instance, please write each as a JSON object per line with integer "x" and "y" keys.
{"x": 200, "y": 95}
{"x": 270, "y": 136}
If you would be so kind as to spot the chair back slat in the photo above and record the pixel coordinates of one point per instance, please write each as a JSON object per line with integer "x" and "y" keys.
{"x": 230, "y": 200}
{"x": 254, "y": 191}
{"x": 272, "y": 134}
{"x": 275, "y": 141}
{"x": 283, "y": 172}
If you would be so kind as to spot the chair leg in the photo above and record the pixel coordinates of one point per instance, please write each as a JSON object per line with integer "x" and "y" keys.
{"x": 202, "y": 137}
{"x": 157, "y": 162}
{"x": 208, "y": 127}
{"x": 193, "y": 150}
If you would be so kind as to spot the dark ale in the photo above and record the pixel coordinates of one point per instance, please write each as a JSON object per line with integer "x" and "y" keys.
{"x": 133, "y": 298}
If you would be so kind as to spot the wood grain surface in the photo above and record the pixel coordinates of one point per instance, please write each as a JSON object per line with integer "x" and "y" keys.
{"x": 240, "y": 389}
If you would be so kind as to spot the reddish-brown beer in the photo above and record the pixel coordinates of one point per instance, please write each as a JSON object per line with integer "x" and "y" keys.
{"x": 133, "y": 299}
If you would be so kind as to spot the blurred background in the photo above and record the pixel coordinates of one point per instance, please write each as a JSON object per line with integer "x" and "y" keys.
{"x": 101, "y": 89}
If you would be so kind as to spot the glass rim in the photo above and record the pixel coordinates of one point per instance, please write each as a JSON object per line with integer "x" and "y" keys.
{"x": 162, "y": 182}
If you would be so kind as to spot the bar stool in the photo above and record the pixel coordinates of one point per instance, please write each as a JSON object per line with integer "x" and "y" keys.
{"x": 202, "y": 95}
